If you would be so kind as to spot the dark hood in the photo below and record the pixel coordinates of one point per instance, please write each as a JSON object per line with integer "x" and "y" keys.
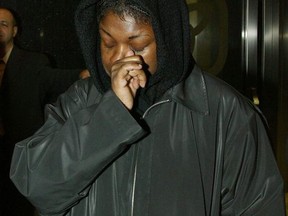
{"x": 170, "y": 20}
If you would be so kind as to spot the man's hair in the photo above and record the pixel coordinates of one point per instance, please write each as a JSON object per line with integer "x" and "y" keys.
{"x": 122, "y": 8}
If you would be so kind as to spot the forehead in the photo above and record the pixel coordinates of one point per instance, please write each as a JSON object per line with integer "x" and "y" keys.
{"x": 6, "y": 15}
{"x": 124, "y": 24}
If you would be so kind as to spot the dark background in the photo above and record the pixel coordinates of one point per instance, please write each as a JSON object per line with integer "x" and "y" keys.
{"x": 48, "y": 27}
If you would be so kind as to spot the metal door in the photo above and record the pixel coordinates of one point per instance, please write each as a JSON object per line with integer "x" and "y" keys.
{"x": 245, "y": 43}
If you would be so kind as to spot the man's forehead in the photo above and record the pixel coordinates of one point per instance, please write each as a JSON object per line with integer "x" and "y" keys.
{"x": 6, "y": 13}
{"x": 6, "y": 16}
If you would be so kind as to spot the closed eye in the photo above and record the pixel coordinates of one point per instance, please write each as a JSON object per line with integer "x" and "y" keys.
{"x": 4, "y": 24}
{"x": 107, "y": 44}
{"x": 137, "y": 50}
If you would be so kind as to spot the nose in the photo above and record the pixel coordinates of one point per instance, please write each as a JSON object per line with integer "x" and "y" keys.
{"x": 130, "y": 52}
{"x": 122, "y": 52}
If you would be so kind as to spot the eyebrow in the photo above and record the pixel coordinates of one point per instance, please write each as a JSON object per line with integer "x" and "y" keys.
{"x": 106, "y": 32}
{"x": 134, "y": 36}
{"x": 130, "y": 38}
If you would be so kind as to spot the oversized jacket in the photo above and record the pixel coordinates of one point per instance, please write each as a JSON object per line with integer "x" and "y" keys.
{"x": 200, "y": 150}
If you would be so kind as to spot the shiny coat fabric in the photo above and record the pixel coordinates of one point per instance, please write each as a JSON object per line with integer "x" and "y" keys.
{"x": 201, "y": 150}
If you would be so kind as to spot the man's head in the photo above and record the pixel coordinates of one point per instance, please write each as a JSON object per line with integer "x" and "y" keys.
{"x": 8, "y": 28}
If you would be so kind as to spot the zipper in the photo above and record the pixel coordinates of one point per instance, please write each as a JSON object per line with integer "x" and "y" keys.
{"x": 151, "y": 107}
{"x": 134, "y": 179}
{"x": 136, "y": 157}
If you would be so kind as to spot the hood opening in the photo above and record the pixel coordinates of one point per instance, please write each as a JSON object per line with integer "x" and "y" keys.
{"x": 170, "y": 22}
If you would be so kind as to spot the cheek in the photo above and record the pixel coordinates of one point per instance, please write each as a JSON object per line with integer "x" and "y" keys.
{"x": 151, "y": 60}
{"x": 106, "y": 62}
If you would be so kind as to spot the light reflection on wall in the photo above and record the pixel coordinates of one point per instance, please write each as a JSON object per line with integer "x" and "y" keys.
{"x": 209, "y": 26}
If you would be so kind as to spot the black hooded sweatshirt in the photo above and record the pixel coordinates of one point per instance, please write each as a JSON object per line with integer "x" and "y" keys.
{"x": 170, "y": 23}
{"x": 199, "y": 149}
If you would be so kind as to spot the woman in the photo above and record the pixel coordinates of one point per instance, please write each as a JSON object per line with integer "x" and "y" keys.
{"x": 149, "y": 133}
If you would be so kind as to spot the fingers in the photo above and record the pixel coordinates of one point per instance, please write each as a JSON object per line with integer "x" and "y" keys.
{"x": 124, "y": 72}
{"x": 138, "y": 77}
{"x": 127, "y": 76}
{"x": 132, "y": 58}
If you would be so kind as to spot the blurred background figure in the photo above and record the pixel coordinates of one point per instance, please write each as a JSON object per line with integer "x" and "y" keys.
{"x": 28, "y": 82}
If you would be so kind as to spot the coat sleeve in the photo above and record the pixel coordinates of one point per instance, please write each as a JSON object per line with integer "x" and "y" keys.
{"x": 251, "y": 182}
{"x": 56, "y": 166}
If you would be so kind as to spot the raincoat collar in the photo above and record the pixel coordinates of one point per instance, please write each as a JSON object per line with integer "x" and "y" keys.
{"x": 195, "y": 96}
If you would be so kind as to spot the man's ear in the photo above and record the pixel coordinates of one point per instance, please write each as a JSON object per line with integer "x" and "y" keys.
{"x": 15, "y": 30}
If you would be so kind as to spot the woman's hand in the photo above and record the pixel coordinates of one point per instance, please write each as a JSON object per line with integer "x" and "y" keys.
{"x": 127, "y": 76}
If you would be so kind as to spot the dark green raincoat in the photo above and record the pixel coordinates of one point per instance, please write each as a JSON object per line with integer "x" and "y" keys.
{"x": 200, "y": 148}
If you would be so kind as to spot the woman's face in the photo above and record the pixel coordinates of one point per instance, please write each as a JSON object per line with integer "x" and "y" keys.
{"x": 121, "y": 36}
